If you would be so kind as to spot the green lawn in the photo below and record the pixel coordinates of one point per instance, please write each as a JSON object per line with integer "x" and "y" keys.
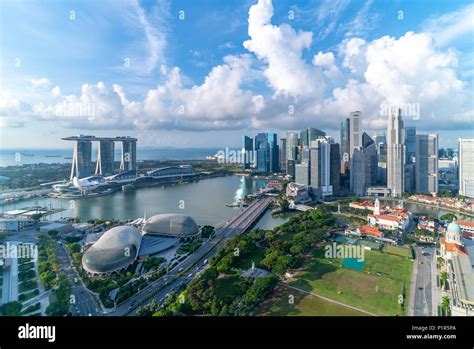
{"x": 303, "y": 305}
{"x": 399, "y": 251}
{"x": 375, "y": 288}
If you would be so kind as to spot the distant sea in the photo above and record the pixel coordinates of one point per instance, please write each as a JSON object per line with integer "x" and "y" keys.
{"x": 18, "y": 157}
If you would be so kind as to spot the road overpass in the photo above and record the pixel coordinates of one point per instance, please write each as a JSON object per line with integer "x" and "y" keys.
{"x": 184, "y": 272}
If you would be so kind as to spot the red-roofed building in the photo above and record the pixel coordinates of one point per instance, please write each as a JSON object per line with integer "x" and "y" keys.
{"x": 390, "y": 221}
{"x": 466, "y": 226}
{"x": 368, "y": 230}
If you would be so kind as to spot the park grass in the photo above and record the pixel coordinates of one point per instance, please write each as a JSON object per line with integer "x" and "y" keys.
{"x": 304, "y": 305}
{"x": 375, "y": 288}
{"x": 253, "y": 254}
{"x": 399, "y": 251}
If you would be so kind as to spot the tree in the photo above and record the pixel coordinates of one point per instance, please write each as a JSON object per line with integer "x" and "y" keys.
{"x": 448, "y": 217}
{"x": 445, "y": 304}
{"x": 53, "y": 233}
{"x": 284, "y": 204}
{"x": 207, "y": 231}
{"x": 443, "y": 278}
{"x": 36, "y": 217}
{"x": 12, "y": 309}
{"x": 225, "y": 263}
{"x": 74, "y": 248}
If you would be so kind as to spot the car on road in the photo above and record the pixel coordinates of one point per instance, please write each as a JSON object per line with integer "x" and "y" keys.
{"x": 205, "y": 262}
{"x": 180, "y": 270}
{"x": 190, "y": 275}
{"x": 420, "y": 288}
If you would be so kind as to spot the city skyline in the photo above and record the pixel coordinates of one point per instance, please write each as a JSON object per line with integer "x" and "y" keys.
{"x": 171, "y": 88}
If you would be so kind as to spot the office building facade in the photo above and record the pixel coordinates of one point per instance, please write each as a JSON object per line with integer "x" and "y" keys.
{"x": 302, "y": 173}
{"x": 291, "y": 145}
{"x": 283, "y": 159}
{"x": 321, "y": 166}
{"x": 357, "y": 174}
{"x": 345, "y": 145}
{"x": 355, "y": 131}
{"x": 426, "y": 165}
{"x": 82, "y": 159}
{"x": 105, "y": 158}
{"x": 128, "y": 160}
{"x": 466, "y": 167}
{"x": 410, "y": 140}
{"x": 310, "y": 134}
{"x": 247, "y": 152}
{"x": 335, "y": 169}
{"x": 395, "y": 154}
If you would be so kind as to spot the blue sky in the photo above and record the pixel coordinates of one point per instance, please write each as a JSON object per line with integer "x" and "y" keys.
{"x": 202, "y": 73}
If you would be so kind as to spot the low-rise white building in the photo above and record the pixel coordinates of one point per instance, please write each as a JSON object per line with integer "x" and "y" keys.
{"x": 297, "y": 192}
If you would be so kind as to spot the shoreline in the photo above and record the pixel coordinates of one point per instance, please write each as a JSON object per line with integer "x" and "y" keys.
{"x": 449, "y": 209}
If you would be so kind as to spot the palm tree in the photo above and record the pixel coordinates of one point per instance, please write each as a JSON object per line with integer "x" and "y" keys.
{"x": 445, "y": 304}
{"x": 443, "y": 278}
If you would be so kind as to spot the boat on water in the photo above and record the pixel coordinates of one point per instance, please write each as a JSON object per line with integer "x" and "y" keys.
{"x": 52, "y": 156}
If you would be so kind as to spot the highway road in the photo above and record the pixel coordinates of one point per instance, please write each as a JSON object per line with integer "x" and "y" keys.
{"x": 177, "y": 278}
{"x": 84, "y": 302}
{"x": 425, "y": 284}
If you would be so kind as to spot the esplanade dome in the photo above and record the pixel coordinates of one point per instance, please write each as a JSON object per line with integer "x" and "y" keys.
{"x": 116, "y": 249}
{"x": 174, "y": 225}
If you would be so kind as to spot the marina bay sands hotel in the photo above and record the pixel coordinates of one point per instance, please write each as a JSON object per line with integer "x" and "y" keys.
{"x": 82, "y": 155}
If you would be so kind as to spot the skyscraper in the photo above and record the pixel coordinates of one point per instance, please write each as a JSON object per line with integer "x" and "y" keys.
{"x": 105, "y": 157}
{"x": 302, "y": 173}
{"x": 274, "y": 154}
{"x": 262, "y": 153}
{"x": 305, "y": 154}
{"x": 370, "y": 159}
{"x": 395, "y": 154}
{"x": 129, "y": 154}
{"x": 410, "y": 178}
{"x": 290, "y": 168}
{"x": 410, "y": 139}
{"x": 291, "y": 144}
{"x": 355, "y": 129}
{"x": 466, "y": 167}
{"x": 357, "y": 178}
{"x": 321, "y": 166}
{"x": 426, "y": 165}
{"x": 266, "y": 148}
{"x": 345, "y": 145}
{"x": 247, "y": 152}
{"x": 82, "y": 159}
{"x": 283, "y": 155}
{"x": 381, "y": 144}
{"x": 335, "y": 169}
{"x": 380, "y": 138}
{"x": 310, "y": 134}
